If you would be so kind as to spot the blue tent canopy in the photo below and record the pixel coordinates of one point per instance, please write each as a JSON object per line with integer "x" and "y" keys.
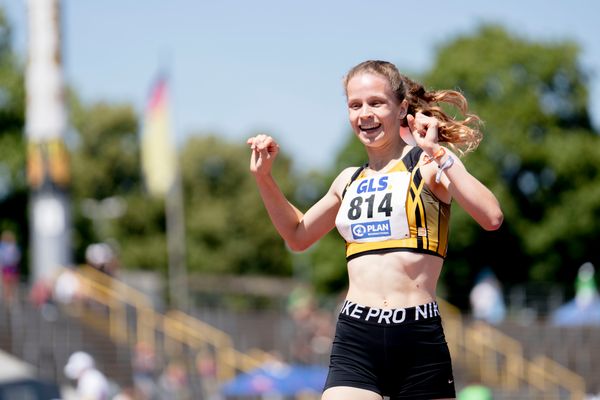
{"x": 278, "y": 378}
{"x": 575, "y": 314}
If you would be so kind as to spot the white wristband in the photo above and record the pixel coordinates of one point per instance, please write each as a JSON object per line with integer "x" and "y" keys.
{"x": 445, "y": 165}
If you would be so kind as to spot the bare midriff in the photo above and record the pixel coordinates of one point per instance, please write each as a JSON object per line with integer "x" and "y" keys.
{"x": 393, "y": 280}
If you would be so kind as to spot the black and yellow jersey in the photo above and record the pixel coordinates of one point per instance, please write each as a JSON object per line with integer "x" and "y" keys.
{"x": 393, "y": 211}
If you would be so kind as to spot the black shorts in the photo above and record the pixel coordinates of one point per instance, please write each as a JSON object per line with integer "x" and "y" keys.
{"x": 399, "y": 353}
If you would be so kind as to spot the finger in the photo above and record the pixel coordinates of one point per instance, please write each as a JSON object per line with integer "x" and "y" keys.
{"x": 416, "y": 126}
{"x": 270, "y": 145}
{"x": 424, "y": 123}
{"x": 411, "y": 122}
{"x": 254, "y": 141}
{"x": 432, "y": 123}
{"x": 271, "y": 148}
{"x": 258, "y": 139}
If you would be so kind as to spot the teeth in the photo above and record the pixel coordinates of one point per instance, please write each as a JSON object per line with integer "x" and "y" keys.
{"x": 366, "y": 127}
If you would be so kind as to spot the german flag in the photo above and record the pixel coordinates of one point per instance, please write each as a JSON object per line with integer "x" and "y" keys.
{"x": 157, "y": 147}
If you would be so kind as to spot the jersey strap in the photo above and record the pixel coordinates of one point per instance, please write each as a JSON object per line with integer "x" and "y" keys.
{"x": 410, "y": 161}
{"x": 353, "y": 177}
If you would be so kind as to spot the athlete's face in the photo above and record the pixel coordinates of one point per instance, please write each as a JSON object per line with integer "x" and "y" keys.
{"x": 374, "y": 111}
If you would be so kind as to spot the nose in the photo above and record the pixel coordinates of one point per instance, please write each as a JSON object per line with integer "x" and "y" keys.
{"x": 365, "y": 111}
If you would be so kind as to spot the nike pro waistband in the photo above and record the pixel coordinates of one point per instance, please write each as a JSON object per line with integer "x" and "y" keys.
{"x": 384, "y": 316}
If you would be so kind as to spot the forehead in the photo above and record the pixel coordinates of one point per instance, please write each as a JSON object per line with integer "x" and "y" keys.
{"x": 368, "y": 83}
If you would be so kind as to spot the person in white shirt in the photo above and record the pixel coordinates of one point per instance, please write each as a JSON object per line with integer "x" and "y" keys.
{"x": 91, "y": 383}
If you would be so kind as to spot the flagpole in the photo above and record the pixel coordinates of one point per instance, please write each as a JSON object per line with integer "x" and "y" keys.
{"x": 174, "y": 214}
{"x": 163, "y": 180}
{"x": 175, "y": 221}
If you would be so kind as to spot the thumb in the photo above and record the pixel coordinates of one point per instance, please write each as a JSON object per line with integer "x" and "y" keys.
{"x": 411, "y": 122}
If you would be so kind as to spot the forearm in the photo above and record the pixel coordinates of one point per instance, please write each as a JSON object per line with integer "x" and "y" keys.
{"x": 474, "y": 197}
{"x": 284, "y": 215}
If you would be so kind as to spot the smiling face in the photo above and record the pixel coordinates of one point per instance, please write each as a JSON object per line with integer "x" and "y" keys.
{"x": 374, "y": 111}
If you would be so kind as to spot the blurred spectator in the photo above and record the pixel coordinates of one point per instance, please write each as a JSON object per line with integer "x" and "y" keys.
{"x": 91, "y": 383}
{"x": 41, "y": 298}
{"x": 144, "y": 365}
{"x": 67, "y": 287}
{"x": 313, "y": 328}
{"x": 586, "y": 290}
{"x": 102, "y": 257}
{"x": 173, "y": 382}
{"x": 584, "y": 309}
{"x": 487, "y": 301}
{"x": 10, "y": 257}
{"x": 40, "y": 293}
{"x": 475, "y": 392}
{"x": 126, "y": 394}
{"x": 206, "y": 368}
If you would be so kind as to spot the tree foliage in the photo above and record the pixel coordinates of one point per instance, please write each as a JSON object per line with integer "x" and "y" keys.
{"x": 109, "y": 202}
{"x": 539, "y": 156}
{"x": 228, "y": 229}
{"x": 13, "y": 185}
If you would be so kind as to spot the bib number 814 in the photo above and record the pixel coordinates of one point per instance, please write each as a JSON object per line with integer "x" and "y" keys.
{"x": 356, "y": 206}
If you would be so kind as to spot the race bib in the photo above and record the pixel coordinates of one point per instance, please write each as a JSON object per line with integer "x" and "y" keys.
{"x": 374, "y": 209}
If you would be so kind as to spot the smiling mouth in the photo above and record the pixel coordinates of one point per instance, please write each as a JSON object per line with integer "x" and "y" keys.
{"x": 369, "y": 128}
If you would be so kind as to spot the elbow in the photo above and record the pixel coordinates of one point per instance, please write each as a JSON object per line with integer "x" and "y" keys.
{"x": 494, "y": 221}
{"x": 297, "y": 246}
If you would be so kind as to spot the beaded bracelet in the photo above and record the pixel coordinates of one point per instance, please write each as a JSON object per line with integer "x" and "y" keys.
{"x": 444, "y": 166}
{"x": 437, "y": 155}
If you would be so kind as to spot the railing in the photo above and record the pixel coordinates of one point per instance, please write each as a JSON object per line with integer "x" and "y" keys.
{"x": 129, "y": 317}
{"x": 497, "y": 360}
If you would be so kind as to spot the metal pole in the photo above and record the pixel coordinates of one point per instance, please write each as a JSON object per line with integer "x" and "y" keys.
{"x": 47, "y": 159}
{"x": 178, "y": 283}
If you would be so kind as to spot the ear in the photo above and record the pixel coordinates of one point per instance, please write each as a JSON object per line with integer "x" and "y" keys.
{"x": 403, "y": 109}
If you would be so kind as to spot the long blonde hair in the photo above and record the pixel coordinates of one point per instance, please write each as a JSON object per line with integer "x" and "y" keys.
{"x": 462, "y": 135}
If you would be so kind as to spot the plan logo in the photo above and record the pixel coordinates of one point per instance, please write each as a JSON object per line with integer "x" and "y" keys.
{"x": 371, "y": 230}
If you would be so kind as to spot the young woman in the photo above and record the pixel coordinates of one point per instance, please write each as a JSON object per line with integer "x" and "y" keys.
{"x": 393, "y": 214}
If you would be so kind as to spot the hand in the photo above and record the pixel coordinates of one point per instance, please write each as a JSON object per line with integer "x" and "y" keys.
{"x": 424, "y": 130}
{"x": 264, "y": 150}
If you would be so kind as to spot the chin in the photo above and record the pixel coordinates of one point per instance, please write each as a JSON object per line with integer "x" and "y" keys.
{"x": 370, "y": 139}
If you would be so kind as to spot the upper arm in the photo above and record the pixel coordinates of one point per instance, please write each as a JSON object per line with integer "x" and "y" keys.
{"x": 320, "y": 218}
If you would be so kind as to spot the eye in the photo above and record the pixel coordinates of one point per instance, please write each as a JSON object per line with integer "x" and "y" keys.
{"x": 354, "y": 106}
{"x": 376, "y": 103}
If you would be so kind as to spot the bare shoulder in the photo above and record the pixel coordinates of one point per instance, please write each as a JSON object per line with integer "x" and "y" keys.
{"x": 343, "y": 178}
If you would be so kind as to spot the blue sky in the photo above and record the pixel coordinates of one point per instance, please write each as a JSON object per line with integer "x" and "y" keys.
{"x": 276, "y": 66}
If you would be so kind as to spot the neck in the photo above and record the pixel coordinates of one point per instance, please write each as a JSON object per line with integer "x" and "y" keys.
{"x": 381, "y": 158}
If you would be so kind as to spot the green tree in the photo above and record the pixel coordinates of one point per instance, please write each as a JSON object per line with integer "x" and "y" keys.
{"x": 539, "y": 156}
{"x": 228, "y": 229}
{"x": 323, "y": 264}
{"x": 109, "y": 201}
{"x": 13, "y": 184}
